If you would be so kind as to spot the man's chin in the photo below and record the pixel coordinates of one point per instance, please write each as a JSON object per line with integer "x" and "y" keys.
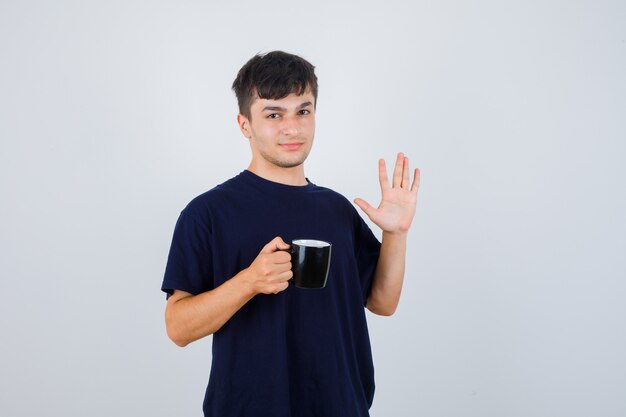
{"x": 286, "y": 163}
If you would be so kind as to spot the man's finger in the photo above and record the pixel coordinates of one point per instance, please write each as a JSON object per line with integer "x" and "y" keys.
{"x": 382, "y": 174}
{"x": 364, "y": 205}
{"x": 276, "y": 244}
{"x": 281, "y": 257}
{"x": 397, "y": 172}
{"x": 416, "y": 180}
{"x": 406, "y": 175}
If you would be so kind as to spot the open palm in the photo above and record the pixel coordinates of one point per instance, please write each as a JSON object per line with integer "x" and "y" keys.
{"x": 397, "y": 206}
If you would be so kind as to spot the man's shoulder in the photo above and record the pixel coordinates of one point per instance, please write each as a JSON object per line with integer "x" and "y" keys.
{"x": 333, "y": 197}
{"x": 341, "y": 212}
{"x": 212, "y": 197}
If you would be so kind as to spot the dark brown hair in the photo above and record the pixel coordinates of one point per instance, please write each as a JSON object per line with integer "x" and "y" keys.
{"x": 273, "y": 75}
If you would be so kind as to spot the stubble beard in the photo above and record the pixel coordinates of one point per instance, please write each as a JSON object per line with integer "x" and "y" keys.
{"x": 283, "y": 163}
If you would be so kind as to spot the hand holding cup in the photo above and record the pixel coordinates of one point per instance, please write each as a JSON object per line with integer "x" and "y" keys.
{"x": 271, "y": 271}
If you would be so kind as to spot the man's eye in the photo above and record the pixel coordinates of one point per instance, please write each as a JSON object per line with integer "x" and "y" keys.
{"x": 273, "y": 116}
{"x": 304, "y": 111}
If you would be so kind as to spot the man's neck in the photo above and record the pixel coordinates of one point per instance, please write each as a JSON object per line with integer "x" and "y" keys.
{"x": 287, "y": 176}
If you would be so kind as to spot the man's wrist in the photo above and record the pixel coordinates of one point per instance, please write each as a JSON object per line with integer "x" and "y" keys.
{"x": 395, "y": 235}
{"x": 244, "y": 282}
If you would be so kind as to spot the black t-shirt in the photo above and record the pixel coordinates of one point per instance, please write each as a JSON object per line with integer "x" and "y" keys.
{"x": 298, "y": 353}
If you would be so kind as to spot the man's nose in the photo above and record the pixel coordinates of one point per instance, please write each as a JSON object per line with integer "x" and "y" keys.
{"x": 290, "y": 127}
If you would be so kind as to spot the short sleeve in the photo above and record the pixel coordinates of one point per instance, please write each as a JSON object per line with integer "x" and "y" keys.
{"x": 367, "y": 250}
{"x": 189, "y": 264}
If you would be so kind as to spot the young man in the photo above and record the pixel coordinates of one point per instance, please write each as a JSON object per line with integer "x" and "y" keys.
{"x": 278, "y": 350}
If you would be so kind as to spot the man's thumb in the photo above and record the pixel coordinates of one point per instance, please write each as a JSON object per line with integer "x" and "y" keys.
{"x": 276, "y": 244}
{"x": 364, "y": 205}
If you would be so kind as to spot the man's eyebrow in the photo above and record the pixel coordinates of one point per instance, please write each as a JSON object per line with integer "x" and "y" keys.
{"x": 278, "y": 108}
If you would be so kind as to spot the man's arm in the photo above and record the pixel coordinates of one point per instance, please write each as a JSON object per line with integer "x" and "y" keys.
{"x": 189, "y": 318}
{"x": 394, "y": 216}
{"x": 389, "y": 275}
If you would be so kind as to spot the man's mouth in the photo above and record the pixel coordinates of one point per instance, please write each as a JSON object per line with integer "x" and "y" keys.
{"x": 294, "y": 146}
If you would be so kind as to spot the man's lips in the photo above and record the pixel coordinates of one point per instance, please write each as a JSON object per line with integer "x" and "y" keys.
{"x": 292, "y": 146}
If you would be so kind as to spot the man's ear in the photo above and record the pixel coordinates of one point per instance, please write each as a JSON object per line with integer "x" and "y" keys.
{"x": 244, "y": 125}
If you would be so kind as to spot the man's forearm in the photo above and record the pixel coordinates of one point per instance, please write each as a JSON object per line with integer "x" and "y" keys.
{"x": 389, "y": 275}
{"x": 194, "y": 317}
{"x": 189, "y": 317}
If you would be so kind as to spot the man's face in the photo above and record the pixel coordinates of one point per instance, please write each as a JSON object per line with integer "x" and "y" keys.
{"x": 281, "y": 131}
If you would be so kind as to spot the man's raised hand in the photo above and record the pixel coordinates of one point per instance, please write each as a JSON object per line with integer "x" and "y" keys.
{"x": 397, "y": 206}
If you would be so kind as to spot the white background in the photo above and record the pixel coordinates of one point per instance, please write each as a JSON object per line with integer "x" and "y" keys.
{"x": 113, "y": 115}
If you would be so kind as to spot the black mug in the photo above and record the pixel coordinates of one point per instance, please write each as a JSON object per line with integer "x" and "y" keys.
{"x": 310, "y": 262}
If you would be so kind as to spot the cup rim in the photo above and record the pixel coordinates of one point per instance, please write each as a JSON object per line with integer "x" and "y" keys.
{"x": 311, "y": 243}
